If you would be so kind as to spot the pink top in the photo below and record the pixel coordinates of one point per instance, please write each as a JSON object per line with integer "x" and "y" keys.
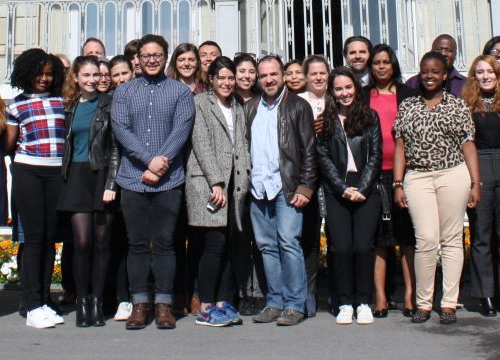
{"x": 386, "y": 106}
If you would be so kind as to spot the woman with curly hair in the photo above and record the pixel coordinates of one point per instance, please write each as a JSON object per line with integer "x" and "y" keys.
{"x": 482, "y": 94}
{"x": 185, "y": 66}
{"x": 350, "y": 160}
{"x": 36, "y": 123}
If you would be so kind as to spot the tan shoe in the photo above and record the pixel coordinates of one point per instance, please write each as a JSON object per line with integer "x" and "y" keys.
{"x": 163, "y": 317}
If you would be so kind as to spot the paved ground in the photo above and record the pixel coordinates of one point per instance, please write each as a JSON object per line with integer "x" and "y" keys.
{"x": 474, "y": 337}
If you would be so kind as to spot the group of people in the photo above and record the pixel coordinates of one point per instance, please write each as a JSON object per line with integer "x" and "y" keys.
{"x": 221, "y": 171}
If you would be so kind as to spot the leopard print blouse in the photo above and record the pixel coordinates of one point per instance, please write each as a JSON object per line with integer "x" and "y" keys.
{"x": 433, "y": 138}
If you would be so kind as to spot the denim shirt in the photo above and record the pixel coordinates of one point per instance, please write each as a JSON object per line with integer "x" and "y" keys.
{"x": 265, "y": 176}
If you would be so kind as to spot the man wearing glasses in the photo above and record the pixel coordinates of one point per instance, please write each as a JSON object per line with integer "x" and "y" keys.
{"x": 152, "y": 118}
{"x": 283, "y": 176}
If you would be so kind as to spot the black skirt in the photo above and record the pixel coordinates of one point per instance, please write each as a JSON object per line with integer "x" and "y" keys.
{"x": 399, "y": 230}
{"x": 83, "y": 190}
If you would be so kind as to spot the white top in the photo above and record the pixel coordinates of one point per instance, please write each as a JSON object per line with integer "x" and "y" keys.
{"x": 317, "y": 105}
{"x": 228, "y": 115}
{"x": 351, "y": 165}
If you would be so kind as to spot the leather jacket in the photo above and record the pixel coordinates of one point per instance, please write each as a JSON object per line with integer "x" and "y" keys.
{"x": 296, "y": 142}
{"x": 366, "y": 148}
{"x": 103, "y": 149}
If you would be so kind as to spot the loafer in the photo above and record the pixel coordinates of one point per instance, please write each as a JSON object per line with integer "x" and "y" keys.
{"x": 487, "y": 307}
{"x": 139, "y": 317}
{"x": 290, "y": 317}
{"x": 448, "y": 316}
{"x": 163, "y": 317}
{"x": 380, "y": 313}
{"x": 420, "y": 316}
{"x": 267, "y": 315}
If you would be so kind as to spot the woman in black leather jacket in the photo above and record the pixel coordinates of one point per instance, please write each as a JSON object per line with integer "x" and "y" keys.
{"x": 350, "y": 159}
{"x": 89, "y": 169}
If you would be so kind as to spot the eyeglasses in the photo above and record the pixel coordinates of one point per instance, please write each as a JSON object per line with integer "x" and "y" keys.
{"x": 495, "y": 52}
{"x": 105, "y": 76}
{"x": 147, "y": 57}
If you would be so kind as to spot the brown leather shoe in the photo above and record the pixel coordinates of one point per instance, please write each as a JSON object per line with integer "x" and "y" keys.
{"x": 194, "y": 305}
{"x": 163, "y": 317}
{"x": 139, "y": 317}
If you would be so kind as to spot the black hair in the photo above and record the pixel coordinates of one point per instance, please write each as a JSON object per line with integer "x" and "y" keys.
{"x": 210, "y": 43}
{"x": 357, "y": 117}
{"x": 30, "y": 64}
{"x": 131, "y": 49}
{"x": 244, "y": 57}
{"x": 120, "y": 59}
{"x": 222, "y": 62}
{"x": 352, "y": 39}
{"x": 93, "y": 39}
{"x": 448, "y": 37}
{"x": 291, "y": 62}
{"x": 272, "y": 57}
{"x": 397, "y": 77}
{"x": 314, "y": 59}
{"x": 435, "y": 55}
{"x": 150, "y": 38}
{"x": 490, "y": 44}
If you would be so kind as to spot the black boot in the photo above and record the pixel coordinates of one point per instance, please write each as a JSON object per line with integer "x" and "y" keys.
{"x": 96, "y": 313}
{"x": 487, "y": 307}
{"x": 82, "y": 312}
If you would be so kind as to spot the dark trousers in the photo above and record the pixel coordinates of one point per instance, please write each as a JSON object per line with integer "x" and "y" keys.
{"x": 351, "y": 231}
{"x": 35, "y": 190}
{"x": 484, "y": 225}
{"x": 311, "y": 233}
{"x": 214, "y": 269}
{"x": 151, "y": 218}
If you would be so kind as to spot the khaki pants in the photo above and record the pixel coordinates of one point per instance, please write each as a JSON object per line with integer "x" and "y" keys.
{"x": 437, "y": 201}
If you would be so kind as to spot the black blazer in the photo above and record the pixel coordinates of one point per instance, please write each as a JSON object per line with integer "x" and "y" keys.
{"x": 366, "y": 150}
{"x": 402, "y": 92}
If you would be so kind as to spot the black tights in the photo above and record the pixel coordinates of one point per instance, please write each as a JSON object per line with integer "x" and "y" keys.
{"x": 92, "y": 239}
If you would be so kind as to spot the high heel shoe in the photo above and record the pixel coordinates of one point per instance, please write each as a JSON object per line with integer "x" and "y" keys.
{"x": 96, "y": 313}
{"x": 487, "y": 307}
{"x": 82, "y": 312}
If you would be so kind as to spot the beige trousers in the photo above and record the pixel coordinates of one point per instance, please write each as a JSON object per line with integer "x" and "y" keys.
{"x": 437, "y": 201}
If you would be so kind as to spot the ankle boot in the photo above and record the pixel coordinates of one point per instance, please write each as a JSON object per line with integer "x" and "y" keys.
{"x": 82, "y": 312}
{"x": 96, "y": 313}
{"x": 487, "y": 307}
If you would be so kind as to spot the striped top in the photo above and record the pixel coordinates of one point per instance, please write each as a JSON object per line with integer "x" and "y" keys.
{"x": 152, "y": 117}
{"x": 42, "y": 129}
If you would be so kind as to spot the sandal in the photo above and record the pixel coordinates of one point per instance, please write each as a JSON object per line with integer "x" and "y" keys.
{"x": 420, "y": 316}
{"x": 407, "y": 312}
{"x": 380, "y": 313}
{"x": 448, "y": 317}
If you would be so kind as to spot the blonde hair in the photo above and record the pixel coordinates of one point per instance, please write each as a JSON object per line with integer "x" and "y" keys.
{"x": 471, "y": 92}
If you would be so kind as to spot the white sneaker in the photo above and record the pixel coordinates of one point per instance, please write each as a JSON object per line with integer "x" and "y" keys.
{"x": 52, "y": 315}
{"x": 344, "y": 316}
{"x": 38, "y": 318}
{"x": 124, "y": 311}
{"x": 364, "y": 314}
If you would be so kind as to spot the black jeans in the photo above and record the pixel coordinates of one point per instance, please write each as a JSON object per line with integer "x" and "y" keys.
{"x": 311, "y": 233}
{"x": 351, "y": 233}
{"x": 151, "y": 218}
{"x": 485, "y": 224}
{"x": 35, "y": 190}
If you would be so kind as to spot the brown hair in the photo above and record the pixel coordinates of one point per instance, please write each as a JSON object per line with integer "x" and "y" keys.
{"x": 471, "y": 92}
{"x": 71, "y": 91}
{"x": 3, "y": 116}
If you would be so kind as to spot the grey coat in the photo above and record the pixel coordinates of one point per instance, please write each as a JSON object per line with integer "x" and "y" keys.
{"x": 213, "y": 158}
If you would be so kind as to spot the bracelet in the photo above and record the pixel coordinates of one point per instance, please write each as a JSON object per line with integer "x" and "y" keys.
{"x": 473, "y": 182}
{"x": 397, "y": 184}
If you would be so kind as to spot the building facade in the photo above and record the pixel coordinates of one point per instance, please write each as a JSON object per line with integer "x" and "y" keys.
{"x": 291, "y": 28}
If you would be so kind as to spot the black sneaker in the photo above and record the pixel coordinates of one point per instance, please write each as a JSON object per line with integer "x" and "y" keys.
{"x": 290, "y": 317}
{"x": 258, "y": 304}
{"x": 269, "y": 314}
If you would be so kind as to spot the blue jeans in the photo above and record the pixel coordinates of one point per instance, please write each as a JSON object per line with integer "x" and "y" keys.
{"x": 278, "y": 227}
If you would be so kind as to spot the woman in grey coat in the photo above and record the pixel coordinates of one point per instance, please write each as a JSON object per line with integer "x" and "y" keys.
{"x": 217, "y": 180}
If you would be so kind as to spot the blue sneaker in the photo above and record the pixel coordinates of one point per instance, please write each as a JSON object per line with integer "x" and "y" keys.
{"x": 231, "y": 313}
{"x": 212, "y": 317}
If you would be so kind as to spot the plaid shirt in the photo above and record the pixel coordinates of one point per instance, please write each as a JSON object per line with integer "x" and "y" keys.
{"x": 152, "y": 117}
{"x": 42, "y": 129}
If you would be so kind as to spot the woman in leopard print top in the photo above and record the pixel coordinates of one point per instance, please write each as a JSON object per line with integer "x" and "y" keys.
{"x": 434, "y": 134}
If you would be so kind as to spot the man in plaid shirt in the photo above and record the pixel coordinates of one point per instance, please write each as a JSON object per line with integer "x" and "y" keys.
{"x": 152, "y": 118}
